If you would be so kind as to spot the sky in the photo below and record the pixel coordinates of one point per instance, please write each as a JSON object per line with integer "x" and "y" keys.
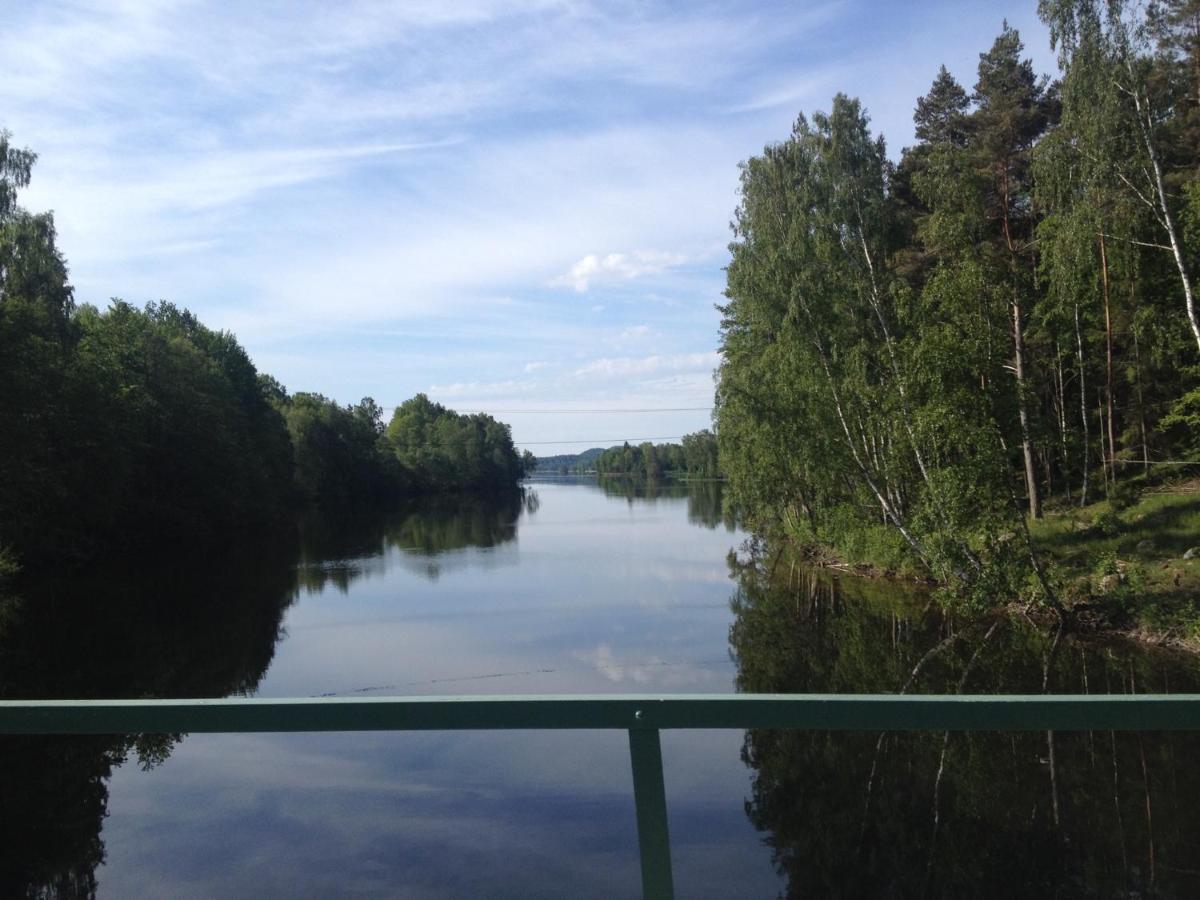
{"x": 518, "y": 208}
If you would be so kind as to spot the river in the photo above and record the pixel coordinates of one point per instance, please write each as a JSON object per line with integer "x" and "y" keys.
{"x": 570, "y": 587}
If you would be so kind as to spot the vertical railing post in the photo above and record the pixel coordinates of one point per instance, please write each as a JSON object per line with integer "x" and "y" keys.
{"x": 650, "y": 798}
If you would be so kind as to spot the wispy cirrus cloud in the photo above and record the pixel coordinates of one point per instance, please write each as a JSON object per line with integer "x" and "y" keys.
{"x": 379, "y": 197}
{"x": 617, "y": 267}
{"x": 648, "y": 365}
{"x": 635, "y": 333}
{"x": 476, "y": 389}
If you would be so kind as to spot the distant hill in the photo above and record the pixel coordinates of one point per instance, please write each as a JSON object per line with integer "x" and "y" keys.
{"x": 549, "y": 465}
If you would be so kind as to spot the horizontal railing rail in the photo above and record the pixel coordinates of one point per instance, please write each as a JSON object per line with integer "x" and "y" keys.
{"x": 643, "y": 716}
{"x": 814, "y": 712}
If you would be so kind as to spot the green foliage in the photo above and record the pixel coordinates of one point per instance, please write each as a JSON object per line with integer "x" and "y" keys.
{"x": 848, "y": 403}
{"x": 129, "y": 427}
{"x": 568, "y": 463}
{"x": 143, "y": 425}
{"x": 8, "y": 563}
{"x": 915, "y": 354}
{"x": 871, "y": 544}
{"x": 341, "y": 457}
{"x": 1107, "y": 522}
{"x": 442, "y": 450}
{"x": 695, "y": 457}
{"x": 1183, "y": 420}
{"x": 1124, "y": 495}
{"x": 1106, "y": 564}
{"x": 701, "y": 456}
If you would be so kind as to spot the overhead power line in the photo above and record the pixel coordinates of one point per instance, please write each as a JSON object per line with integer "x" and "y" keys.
{"x": 646, "y": 410}
{"x": 510, "y": 412}
{"x": 606, "y": 441}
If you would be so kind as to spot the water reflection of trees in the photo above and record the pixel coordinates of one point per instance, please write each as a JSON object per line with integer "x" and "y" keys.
{"x": 1011, "y": 814}
{"x": 633, "y": 488}
{"x": 706, "y": 500}
{"x": 338, "y": 552}
{"x": 196, "y": 630}
{"x": 707, "y": 505}
{"x": 454, "y": 523}
{"x": 201, "y": 628}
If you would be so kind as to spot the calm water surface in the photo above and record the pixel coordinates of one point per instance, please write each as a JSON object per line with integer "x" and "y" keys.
{"x": 570, "y": 588}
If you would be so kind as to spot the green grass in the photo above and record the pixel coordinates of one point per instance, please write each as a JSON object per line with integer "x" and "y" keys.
{"x": 8, "y": 563}
{"x": 1121, "y": 561}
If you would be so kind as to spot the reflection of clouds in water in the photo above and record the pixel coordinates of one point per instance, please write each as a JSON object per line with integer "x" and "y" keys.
{"x": 466, "y": 814}
{"x": 438, "y": 814}
{"x": 603, "y": 660}
{"x": 589, "y": 603}
{"x": 685, "y": 573}
{"x": 653, "y": 670}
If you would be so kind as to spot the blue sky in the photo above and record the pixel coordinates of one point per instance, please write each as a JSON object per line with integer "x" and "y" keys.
{"x": 508, "y": 206}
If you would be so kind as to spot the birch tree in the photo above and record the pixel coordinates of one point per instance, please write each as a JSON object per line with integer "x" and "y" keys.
{"x": 841, "y": 405}
{"x": 1112, "y": 43}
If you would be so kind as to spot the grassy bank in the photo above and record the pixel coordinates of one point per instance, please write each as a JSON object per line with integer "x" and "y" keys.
{"x": 1117, "y": 565}
{"x": 1121, "y": 561}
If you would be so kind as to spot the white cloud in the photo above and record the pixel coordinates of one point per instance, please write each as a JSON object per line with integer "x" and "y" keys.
{"x": 626, "y": 366}
{"x": 634, "y": 332}
{"x": 617, "y": 266}
{"x": 652, "y": 670}
{"x": 790, "y": 92}
{"x": 357, "y": 189}
{"x": 143, "y": 209}
{"x": 474, "y": 389}
{"x": 605, "y": 662}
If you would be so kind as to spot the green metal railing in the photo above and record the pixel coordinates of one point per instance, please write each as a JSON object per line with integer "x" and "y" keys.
{"x": 643, "y": 716}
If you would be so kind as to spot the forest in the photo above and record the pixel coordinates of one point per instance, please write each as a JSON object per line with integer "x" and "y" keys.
{"x": 127, "y": 427}
{"x": 694, "y": 457}
{"x": 921, "y": 359}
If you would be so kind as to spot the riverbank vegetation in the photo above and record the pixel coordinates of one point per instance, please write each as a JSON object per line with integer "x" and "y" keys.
{"x": 921, "y": 358}
{"x": 126, "y": 427}
{"x": 694, "y": 457}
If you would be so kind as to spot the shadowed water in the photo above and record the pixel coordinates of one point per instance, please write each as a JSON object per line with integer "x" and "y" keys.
{"x": 950, "y": 815}
{"x": 569, "y": 587}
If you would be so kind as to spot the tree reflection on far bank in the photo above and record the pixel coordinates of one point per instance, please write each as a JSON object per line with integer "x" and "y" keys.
{"x": 339, "y": 551}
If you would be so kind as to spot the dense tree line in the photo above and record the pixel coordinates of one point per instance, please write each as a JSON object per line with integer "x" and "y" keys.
{"x": 444, "y": 450}
{"x": 916, "y": 355}
{"x": 568, "y": 463}
{"x": 124, "y": 427}
{"x": 695, "y": 457}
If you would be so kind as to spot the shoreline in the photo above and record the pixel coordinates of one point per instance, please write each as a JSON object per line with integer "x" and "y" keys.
{"x": 1129, "y": 573}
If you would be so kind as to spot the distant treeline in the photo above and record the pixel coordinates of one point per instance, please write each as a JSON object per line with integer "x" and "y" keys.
{"x": 569, "y": 463}
{"x": 917, "y": 355}
{"x": 126, "y": 427}
{"x": 345, "y": 456}
{"x": 696, "y": 457}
